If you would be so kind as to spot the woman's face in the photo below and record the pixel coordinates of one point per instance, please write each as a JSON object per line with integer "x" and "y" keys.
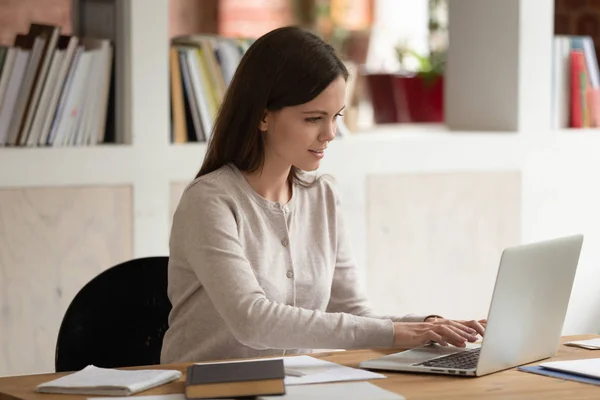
{"x": 298, "y": 135}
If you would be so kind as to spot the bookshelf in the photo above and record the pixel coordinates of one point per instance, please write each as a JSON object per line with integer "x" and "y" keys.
{"x": 434, "y": 204}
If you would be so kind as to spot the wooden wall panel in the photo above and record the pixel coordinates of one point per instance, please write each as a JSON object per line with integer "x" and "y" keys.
{"x": 434, "y": 240}
{"x": 52, "y": 242}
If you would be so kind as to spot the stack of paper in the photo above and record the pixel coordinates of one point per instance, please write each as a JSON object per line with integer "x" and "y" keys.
{"x": 323, "y": 391}
{"x": 105, "y": 381}
{"x": 586, "y": 370}
{"x": 313, "y": 379}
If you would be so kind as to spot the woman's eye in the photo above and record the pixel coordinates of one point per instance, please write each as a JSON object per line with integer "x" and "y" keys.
{"x": 315, "y": 119}
{"x": 312, "y": 119}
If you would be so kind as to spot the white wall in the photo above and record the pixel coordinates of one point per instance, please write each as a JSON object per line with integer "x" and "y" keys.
{"x": 396, "y": 21}
{"x": 562, "y": 196}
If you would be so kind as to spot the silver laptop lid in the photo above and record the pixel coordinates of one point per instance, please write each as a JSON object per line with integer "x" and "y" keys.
{"x": 529, "y": 303}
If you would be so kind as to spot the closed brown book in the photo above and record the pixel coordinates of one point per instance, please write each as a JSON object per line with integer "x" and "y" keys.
{"x": 235, "y": 379}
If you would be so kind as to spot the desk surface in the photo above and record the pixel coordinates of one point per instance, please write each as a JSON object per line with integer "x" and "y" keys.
{"x": 511, "y": 383}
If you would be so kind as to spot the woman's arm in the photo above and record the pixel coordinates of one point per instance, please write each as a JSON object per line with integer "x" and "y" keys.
{"x": 206, "y": 229}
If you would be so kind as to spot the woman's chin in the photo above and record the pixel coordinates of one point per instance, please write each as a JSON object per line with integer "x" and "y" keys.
{"x": 308, "y": 166}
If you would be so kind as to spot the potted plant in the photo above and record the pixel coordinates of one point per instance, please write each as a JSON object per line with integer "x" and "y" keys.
{"x": 419, "y": 94}
{"x": 416, "y": 92}
{"x": 419, "y": 88}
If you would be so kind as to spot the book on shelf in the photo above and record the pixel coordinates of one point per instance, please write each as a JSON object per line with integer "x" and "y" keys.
{"x": 201, "y": 69}
{"x": 575, "y": 83}
{"x": 54, "y": 89}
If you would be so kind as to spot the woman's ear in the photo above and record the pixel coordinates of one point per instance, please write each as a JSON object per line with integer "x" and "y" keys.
{"x": 263, "y": 124}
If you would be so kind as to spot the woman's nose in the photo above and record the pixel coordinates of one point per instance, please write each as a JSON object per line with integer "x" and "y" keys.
{"x": 329, "y": 133}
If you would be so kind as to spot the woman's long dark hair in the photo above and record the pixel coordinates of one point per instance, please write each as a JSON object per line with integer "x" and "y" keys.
{"x": 285, "y": 67}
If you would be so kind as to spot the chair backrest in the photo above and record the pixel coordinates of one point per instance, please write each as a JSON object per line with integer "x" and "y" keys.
{"x": 118, "y": 319}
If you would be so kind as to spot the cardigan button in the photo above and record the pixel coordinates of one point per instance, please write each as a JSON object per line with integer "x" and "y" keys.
{"x": 285, "y": 242}
{"x": 290, "y": 274}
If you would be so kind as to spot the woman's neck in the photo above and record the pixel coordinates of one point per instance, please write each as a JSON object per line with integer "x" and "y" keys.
{"x": 271, "y": 182}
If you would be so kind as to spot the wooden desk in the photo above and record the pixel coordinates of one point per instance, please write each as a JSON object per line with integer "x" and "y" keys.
{"x": 509, "y": 384}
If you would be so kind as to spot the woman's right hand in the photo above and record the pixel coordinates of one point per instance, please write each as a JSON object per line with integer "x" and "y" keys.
{"x": 444, "y": 332}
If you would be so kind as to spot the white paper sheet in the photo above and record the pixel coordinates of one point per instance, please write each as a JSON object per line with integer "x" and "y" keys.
{"x": 590, "y": 344}
{"x": 328, "y": 391}
{"x": 155, "y": 397}
{"x": 323, "y": 391}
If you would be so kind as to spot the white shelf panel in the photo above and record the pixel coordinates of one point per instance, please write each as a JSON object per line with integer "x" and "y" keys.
{"x": 184, "y": 161}
{"x": 580, "y": 144}
{"x": 382, "y": 150}
{"x": 28, "y": 167}
{"x": 392, "y": 149}
{"x": 425, "y": 133}
{"x": 575, "y": 132}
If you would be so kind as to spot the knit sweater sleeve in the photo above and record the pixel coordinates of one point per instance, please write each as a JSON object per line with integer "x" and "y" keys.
{"x": 206, "y": 231}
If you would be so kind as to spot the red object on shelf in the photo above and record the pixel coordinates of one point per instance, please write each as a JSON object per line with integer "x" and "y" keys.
{"x": 406, "y": 99}
{"x": 382, "y": 98}
{"x": 419, "y": 98}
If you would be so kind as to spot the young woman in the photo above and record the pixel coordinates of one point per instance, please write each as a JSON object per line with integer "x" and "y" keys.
{"x": 260, "y": 262}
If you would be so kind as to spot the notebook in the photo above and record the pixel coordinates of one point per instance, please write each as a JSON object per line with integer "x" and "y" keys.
{"x": 536, "y": 369}
{"x": 235, "y": 379}
{"x": 587, "y": 367}
{"x": 93, "y": 380}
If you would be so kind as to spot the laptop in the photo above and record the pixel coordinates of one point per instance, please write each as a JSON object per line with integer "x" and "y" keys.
{"x": 525, "y": 318}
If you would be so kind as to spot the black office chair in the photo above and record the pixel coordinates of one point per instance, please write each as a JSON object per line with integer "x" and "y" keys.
{"x": 118, "y": 319}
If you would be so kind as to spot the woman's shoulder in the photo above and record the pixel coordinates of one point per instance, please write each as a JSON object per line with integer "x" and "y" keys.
{"x": 322, "y": 186}
{"x": 215, "y": 185}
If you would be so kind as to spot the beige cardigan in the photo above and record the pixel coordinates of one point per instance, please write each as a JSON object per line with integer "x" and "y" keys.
{"x": 250, "y": 277}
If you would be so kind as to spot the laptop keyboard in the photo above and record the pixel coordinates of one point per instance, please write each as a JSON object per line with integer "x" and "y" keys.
{"x": 463, "y": 360}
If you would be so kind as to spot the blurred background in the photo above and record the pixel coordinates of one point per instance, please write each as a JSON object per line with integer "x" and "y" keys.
{"x": 384, "y": 36}
{"x": 396, "y": 48}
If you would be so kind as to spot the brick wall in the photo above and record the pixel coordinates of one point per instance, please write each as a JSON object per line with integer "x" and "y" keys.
{"x": 253, "y": 18}
{"x": 16, "y": 15}
{"x": 186, "y": 16}
{"x": 193, "y": 16}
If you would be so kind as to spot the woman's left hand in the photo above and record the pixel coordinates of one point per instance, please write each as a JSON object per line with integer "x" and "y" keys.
{"x": 479, "y": 326}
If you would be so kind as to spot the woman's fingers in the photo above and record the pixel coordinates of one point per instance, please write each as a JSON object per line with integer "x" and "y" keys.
{"x": 471, "y": 336}
{"x": 433, "y": 336}
{"x": 479, "y": 326}
{"x": 444, "y": 332}
{"x": 463, "y": 330}
{"x": 471, "y": 332}
{"x": 449, "y": 335}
